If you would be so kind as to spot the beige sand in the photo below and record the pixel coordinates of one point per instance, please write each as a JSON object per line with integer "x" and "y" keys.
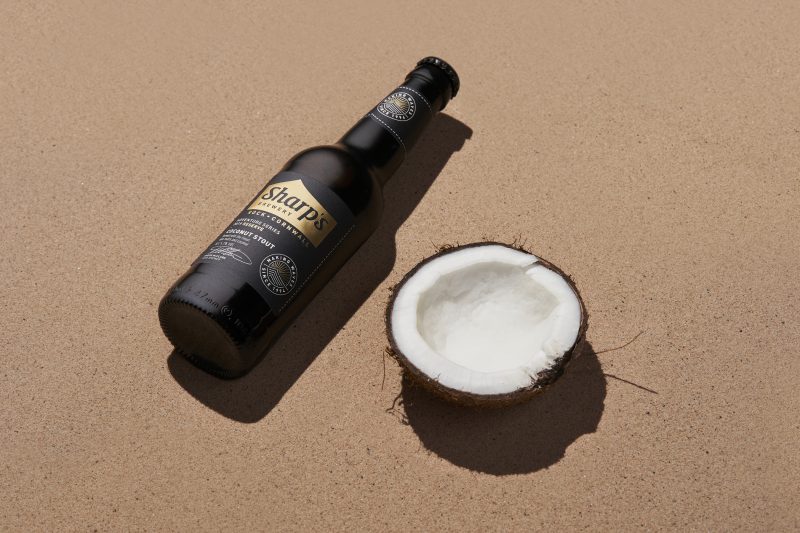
{"x": 650, "y": 150}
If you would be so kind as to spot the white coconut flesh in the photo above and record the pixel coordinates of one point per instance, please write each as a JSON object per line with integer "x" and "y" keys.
{"x": 485, "y": 320}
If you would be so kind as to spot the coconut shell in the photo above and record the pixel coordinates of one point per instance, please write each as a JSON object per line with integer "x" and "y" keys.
{"x": 543, "y": 380}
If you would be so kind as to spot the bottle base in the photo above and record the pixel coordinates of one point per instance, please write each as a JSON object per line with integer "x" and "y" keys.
{"x": 201, "y": 339}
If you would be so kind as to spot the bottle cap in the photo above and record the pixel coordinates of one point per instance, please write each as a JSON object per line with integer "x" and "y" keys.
{"x": 446, "y": 68}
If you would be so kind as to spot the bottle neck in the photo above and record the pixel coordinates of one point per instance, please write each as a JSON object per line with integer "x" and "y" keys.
{"x": 384, "y": 137}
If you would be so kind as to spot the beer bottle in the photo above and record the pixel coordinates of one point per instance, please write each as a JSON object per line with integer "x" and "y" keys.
{"x": 269, "y": 263}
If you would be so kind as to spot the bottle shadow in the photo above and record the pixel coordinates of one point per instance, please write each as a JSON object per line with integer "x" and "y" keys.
{"x": 252, "y": 397}
{"x": 513, "y": 440}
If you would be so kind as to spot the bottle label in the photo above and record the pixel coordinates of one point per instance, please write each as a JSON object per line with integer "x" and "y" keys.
{"x": 283, "y": 237}
{"x": 401, "y": 113}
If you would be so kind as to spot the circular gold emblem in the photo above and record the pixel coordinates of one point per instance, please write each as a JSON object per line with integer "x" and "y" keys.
{"x": 398, "y": 106}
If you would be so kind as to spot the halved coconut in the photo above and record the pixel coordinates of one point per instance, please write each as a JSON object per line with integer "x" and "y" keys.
{"x": 485, "y": 323}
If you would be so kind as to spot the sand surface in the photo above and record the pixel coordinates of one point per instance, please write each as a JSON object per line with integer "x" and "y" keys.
{"x": 651, "y": 150}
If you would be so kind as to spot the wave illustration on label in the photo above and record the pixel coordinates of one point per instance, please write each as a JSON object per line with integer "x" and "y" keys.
{"x": 398, "y": 106}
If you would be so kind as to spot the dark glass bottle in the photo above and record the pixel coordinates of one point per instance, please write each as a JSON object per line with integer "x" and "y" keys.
{"x": 258, "y": 275}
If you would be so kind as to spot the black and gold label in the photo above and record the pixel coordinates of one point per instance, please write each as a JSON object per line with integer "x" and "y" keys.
{"x": 283, "y": 236}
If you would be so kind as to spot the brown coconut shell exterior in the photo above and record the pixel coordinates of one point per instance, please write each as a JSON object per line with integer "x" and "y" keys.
{"x": 543, "y": 380}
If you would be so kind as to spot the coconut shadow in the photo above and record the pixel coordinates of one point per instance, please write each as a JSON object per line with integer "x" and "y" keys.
{"x": 251, "y": 397}
{"x": 512, "y": 440}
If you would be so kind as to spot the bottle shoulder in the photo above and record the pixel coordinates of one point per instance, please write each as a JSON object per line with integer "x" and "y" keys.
{"x": 334, "y": 163}
{"x": 343, "y": 172}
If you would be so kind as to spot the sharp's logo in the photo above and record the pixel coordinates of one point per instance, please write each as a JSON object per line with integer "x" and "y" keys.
{"x": 398, "y": 106}
{"x": 291, "y": 201}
